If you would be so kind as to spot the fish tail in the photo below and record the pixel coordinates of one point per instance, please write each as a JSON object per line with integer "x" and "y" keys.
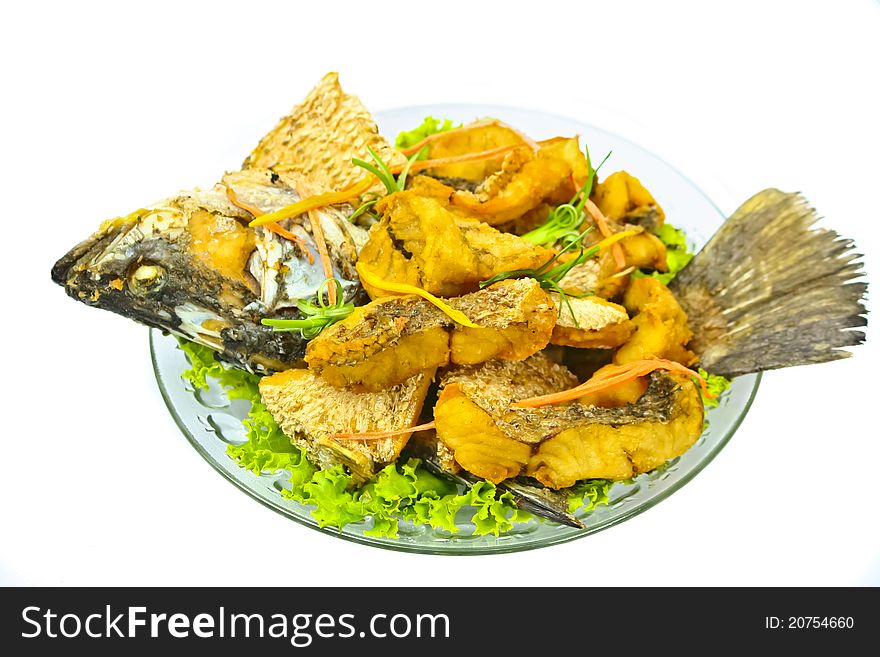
{"x": 771, "y": 290}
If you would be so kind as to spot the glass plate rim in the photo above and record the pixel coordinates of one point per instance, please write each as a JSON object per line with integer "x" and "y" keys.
{"x": 502, "y": 548}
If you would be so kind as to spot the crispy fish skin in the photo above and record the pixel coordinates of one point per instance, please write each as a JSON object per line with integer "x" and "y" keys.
{"x": 619, "y": 443}
{"x": 420, "y": 241}
{"x": 191, "y": 266}
{"x": 319, "y": 138}
{"x": 515, "y": 319}
{"x": 391, "y": 339}
{"x": 310, "y": 411}
{"x": 560, "y": 445}
{"x": 594, "y": 324}
{"x": 496, "y": 384}
{"x": 471, "y": 399}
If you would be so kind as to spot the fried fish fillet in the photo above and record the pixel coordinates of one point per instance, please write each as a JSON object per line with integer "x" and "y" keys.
{"x": 473, "y": 396}
{"x": 526, "y": 180}
{"x": 422, "y": 242}
{"x": 592, "y": 442}
{"x": 560, "y": 445}
{"x": 590, "y": 323}
{"x": 310, "y": 411}
{"x": 661, "y": 326}
{"x": 391, "y": 339}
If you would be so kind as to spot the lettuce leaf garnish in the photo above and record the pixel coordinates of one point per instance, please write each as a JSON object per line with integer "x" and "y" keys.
{"x": 430, "y": 126}
{"x": 588, "y": 494}
{"x": 400, "y": 492}
{"x": 678, "y": 253}
{"x": 716, "y": 384}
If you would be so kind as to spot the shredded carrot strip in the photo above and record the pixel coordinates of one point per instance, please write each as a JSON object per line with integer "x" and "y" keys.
{"x": 378, "y": 435}
{"x": 605, "y": 229}
{"x": 614, "y": 377}
{"x": 321, "y": 243}
{"x": 403, "y": 288}
{"x": 364, "y": 184}
{"x": 317, "y": 201}
{"x": 274, "y": 227}
{"x": 247, "y": 207}
{"x": 419, "y": 165}
{"x": 415, "y": 148}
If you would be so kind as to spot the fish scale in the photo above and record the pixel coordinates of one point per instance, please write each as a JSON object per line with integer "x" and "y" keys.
{"x": 319, "y": 138}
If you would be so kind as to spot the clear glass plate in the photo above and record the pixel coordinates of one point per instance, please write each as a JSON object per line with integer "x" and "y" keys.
{"x": 210, "y": 422}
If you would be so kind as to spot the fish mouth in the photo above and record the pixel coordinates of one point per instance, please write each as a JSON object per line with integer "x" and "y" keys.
{"x": 75, "y": 262}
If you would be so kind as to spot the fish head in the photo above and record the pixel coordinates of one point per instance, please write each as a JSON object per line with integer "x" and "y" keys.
{"x": 190, "y": 265}
{"x": 181, "y": 266}
{"x": 127, "y": 266}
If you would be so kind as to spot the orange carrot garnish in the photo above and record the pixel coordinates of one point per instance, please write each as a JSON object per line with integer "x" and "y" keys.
{"x": 419, "y": 165}
{"x": 364, "y": 184}
{"x": 379, "y": 435}
{"x": 415, "y": 148}
{"x": 614, "y": 377}
{"x": 274, "y": 227}
{"x": 318, "y": 201}
{"x": 605, "y": 229}
{"x": 321, "y": 243}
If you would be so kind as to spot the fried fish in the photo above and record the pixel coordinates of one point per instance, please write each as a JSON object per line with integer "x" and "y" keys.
{"x": 389, "y": 340}
{"x": 192, "y": 266}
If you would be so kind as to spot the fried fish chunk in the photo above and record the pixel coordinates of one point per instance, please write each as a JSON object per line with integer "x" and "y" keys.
{"x": 590, "y": 323}
{"x": 526, "y": 179}
{"x": 421, "y": 242}
{"x": 474, "y": 396}
{"x": 489, "y": 436}
{"x": 381, "y": 344}
{"x": 618, "y": 443}
{"x": 601, "y": 275}
{"x": 391, "y": 339}
{"x": 661, "y": 326}
{"x": 473, "y": 139}
{"x": 622, "y": 197}
{"x": 515, "y": 320}
{"x": 310, "y": 411}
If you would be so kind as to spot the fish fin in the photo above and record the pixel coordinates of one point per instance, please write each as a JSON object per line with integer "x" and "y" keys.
{"x": 771, "y": 290}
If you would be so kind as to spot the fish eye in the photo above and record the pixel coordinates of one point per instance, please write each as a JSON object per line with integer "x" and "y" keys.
{"x": 146, "y": 279}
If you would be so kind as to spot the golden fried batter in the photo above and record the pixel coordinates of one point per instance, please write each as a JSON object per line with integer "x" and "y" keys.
{"x": 661, "y": 327}
{"x": 421, "y": 242}
{"x": 489, "y": 436}
{"x": 616, "y": 443}
{"x": 391, "y": 339}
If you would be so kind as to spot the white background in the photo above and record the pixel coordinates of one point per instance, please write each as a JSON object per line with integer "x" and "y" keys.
{"x": 108, "y": 107}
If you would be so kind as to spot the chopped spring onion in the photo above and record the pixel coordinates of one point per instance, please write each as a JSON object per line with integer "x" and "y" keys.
{"x": 403, "y": 288}
{"x": 316, "y": 316}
